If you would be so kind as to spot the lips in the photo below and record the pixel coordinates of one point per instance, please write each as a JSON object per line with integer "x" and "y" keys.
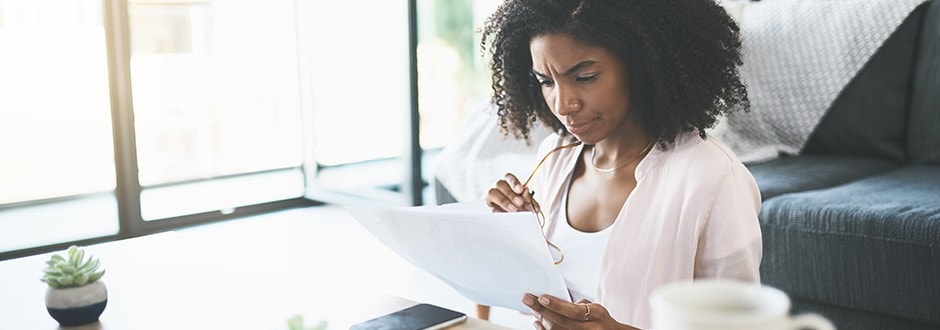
{"x": 578, "y": 128}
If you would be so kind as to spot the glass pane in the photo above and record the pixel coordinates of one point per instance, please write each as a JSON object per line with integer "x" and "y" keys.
{"x": 360, "y": 80}
{"x": 216, "y": 93}
{"x": 224, "y": 194}
{"x": 28, "y": 226}
{"x": 55, "y": 122}
{"x": 454, "y": 79}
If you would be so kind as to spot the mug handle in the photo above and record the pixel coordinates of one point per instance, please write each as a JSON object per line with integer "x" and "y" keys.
{"x": 813, "y": 321}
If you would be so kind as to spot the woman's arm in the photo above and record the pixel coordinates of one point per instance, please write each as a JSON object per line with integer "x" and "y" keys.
{"x": 730, "y": 245}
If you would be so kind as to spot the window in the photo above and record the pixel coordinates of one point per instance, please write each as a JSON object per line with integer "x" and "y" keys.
{"x": 454, "y": 79}
{"x": 57, "y": 170}
{"x": 123, "y": 117}
{"x": 215, "y": 122}
{"x": 360, "y": 88}
{"x": 216, "y": 94}
{"x": 360, "y": 81}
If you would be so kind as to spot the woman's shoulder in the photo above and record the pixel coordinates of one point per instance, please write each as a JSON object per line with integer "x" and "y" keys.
{"x": 703, "y": 157}
{"x": 701, "y": 166}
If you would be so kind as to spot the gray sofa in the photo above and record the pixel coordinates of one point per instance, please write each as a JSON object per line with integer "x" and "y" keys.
{"x": 851, "y": 227}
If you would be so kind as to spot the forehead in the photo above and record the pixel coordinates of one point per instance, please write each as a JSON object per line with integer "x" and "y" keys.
{"x": 560, "y": 52}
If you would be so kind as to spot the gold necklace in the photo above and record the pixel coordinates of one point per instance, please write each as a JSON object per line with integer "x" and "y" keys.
{"x": 608, "y": 170}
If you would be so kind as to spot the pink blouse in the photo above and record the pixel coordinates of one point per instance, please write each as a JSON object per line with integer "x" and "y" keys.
{"x": 693, "y": 214}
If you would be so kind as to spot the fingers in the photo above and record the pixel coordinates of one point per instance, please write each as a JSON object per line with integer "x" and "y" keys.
{"x": 538, "y": 325}
{"x": 532, "y": 301}
{"x": 514, "y": 183}
{"x": 508, "y": 195}
{"x": 561, "y": 313}
{"x": 547, "y": 318}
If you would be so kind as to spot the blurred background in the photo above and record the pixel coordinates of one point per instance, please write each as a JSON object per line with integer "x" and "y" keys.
{"x": 120, "y": 118}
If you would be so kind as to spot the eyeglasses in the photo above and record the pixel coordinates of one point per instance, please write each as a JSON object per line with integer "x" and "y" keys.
{"x": 535, "y": 205}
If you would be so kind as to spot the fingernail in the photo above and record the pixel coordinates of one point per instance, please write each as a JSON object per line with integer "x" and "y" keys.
{"x": 512, "y": 208}
{"x": 544, "y": 301}
{"x": 528, "y": 301}
{"x": 518, "y": 200}
{"x": 518, "y": 188}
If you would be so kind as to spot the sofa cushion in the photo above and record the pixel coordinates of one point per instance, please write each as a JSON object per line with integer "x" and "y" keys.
{"x": 848, "y": 318}
{"x": 869, "y": 117}
{"x": 924, "y": 129}
{"x": 873, "y": 244}
{"x": 809, "y": 172}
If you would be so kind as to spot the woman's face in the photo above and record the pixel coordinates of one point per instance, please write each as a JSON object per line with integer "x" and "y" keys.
{"x": 586, "y": 87}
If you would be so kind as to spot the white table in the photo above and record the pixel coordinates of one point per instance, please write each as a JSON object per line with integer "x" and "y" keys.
{"x": 234, "y": 276}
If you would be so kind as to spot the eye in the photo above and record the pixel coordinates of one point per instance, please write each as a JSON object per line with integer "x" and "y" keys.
{"x": 547, "y": 83}
{"x": 585, "y": 79}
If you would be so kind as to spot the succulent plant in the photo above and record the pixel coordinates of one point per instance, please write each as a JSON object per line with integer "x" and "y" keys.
{"x": 73, "y": 272}
{"x": 296, "y": 322}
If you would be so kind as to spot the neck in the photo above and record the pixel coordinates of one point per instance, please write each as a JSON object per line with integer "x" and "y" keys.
{"x": 617, "y": 149}
{"x": 632, "y": 160}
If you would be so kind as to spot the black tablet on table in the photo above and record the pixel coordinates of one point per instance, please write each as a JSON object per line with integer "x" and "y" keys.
{"x": 420, "y": 316}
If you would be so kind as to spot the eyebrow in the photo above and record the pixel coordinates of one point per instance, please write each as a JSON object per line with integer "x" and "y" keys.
{"x": 570, "y": 71}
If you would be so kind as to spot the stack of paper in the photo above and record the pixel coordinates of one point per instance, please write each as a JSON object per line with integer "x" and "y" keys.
{"x": 491, "y": 258}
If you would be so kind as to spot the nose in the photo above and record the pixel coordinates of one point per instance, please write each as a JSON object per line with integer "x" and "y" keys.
{"x": 566, "y": 100}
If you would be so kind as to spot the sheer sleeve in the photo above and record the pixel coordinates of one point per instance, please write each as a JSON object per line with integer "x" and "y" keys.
{"x": 730, "y": 243}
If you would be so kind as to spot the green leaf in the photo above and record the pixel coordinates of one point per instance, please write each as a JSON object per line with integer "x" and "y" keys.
{"x": 77, "y": 261}
{"x": 296, "y": 322}
{"x": 55, "y": 259}
{"x": 89, "y": 267}
{"x": 72, "y": 250}
{"x": 64, "y": 280}
{"x": 52, "y": 284}
{"x": 86, "y": 263}
{"x": 81, "y": 279}
{"x": 95, "y": 276}
{"x": 66, "y": 269}
{"x": 52, "y": 272}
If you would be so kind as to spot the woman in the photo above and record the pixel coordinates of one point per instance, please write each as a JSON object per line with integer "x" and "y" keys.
{"x": 634, "y": 193}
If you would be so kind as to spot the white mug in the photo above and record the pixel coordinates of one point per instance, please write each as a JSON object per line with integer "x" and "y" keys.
{"x": 727, "y": 305}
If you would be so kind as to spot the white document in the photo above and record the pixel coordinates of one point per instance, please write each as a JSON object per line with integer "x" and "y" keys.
{"x": 490, "y": 258}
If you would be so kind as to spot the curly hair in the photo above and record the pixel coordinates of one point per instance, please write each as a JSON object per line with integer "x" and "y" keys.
{"x": 682, "y": 57}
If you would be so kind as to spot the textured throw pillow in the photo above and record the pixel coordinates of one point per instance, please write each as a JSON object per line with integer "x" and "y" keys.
{"x": 798, "y": 57}
{"x": 869, "y": 118}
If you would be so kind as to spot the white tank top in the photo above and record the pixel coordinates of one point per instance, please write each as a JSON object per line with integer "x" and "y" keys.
{"x": 583, "y": 252}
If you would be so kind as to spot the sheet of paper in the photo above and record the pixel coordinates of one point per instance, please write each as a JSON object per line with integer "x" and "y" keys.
{"x": 491, "y": 258}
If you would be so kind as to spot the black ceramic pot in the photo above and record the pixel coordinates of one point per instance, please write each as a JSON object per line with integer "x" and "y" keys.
{"x": 77, "y": 306}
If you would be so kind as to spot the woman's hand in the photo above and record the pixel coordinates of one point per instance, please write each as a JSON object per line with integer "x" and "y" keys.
{"x": 554, "y": 313}
{"x": 509, "y": 195}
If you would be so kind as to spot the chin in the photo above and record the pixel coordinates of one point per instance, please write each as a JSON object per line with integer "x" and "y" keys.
{"x": 586, "y": 138}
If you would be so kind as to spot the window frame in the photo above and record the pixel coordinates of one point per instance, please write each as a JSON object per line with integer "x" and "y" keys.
{"x": 128, "y": 189}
